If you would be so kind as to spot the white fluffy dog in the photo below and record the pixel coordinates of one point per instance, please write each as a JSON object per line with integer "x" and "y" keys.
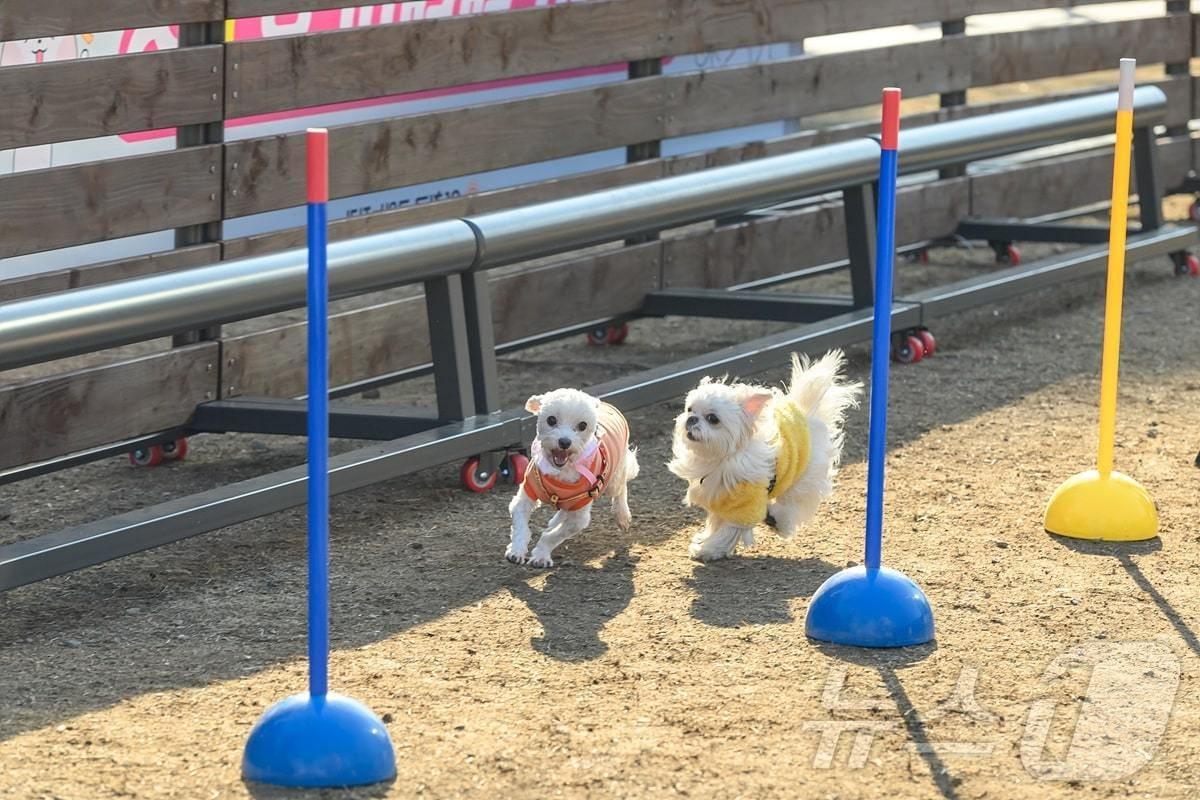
{"x": 581, "y": 452}
{"x": 749, "y": 451}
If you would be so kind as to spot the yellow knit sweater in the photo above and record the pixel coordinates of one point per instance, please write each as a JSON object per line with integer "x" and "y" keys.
{"x": 746, "y": 503}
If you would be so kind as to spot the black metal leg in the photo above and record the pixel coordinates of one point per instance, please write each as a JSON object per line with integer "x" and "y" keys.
{"x": 448, "y": 343}
{"x": 859, "y": 204}
{"x": 481, "y": 341}
{"x": 1145, "y": 159}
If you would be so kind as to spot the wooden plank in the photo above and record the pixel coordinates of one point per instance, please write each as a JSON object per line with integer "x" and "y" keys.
{"x": 778, "y": 90}
{"x": 706, "y": 101}
{"x": 1065, "y": 182}
{"x": 108, "y": 272}
{"x": 26, "y": 19}
{"x": 266, "y": 174}
{"x": 307, "y": 70}
{"x": 108, "y": 199}
{"x": 62, "y": 414}
{"x": 585, "y": 288}
{"x": 368, "y": 341}
{"x": 91, "y": 97}
{"x": 1049, "y": 52}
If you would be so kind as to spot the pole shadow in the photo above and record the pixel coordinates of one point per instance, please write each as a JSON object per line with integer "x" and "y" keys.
{"x": 1124, "y": 552}
{"x": 887, "y": 662}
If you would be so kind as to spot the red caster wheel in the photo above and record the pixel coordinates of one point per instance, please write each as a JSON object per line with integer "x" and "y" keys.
{"x": 1009, "y": 255}
{"x": 908, "y": 350}
{"x": 1188, "y": 265}
{"x": 598, "y": 336}
{"x": 928, "y": 343}
{"x": 473, "y": 481}
{"x": 1194, "y": 212}
{"x": 146, "y": 456}
{"x": 918, "y": 256}
{"x": 514, "y": 467}
{"x": 176, "y": 450}
{"x": 617, "y": 333}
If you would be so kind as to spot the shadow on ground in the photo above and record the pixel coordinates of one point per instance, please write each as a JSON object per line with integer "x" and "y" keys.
{"x": 574, "y": 605}
{"x": 754, "y": 591}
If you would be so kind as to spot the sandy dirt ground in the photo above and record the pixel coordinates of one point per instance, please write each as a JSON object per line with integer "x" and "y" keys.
{"x": 1060, "y": 669}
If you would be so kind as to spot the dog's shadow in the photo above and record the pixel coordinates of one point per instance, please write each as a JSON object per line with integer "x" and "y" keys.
{"x": 576, "y": 602}
{"x": 754, "y": 591}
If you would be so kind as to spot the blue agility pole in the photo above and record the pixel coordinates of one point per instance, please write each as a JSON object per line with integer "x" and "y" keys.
{"x": 318, "y": 739}
{"x": 871, "y": 605}
{"x": 318, "y": 415}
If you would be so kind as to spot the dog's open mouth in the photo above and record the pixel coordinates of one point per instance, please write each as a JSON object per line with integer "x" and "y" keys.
{"x": 559, "y": 457}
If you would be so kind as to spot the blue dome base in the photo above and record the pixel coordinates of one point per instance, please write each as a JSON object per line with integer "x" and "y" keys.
{"x": 324, "y": 741}
{"x": 870, "y": 608}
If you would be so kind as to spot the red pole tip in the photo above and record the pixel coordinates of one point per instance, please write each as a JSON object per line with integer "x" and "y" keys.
{"x": 317, "y": 143}
{"x": 891, "y": 119}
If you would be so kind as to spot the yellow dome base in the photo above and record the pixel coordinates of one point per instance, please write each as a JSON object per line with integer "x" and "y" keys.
{"x": 1114, "y": 508}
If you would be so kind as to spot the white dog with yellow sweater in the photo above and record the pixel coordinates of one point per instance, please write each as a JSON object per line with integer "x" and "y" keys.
{"x": 750, "y": 451}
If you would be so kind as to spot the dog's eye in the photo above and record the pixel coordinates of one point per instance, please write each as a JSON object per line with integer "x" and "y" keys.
{"x": 689, "y": 409}
{"x": 582, "y": 427}
{"x": 551, "y": 421}
{"x": 712, "y": 419}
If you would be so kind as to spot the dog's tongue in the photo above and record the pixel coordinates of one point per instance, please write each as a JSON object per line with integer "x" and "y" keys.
{"x": 558, "y": 457}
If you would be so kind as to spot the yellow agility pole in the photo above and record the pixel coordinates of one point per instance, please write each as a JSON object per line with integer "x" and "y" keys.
{"x": 1103, "y": 503}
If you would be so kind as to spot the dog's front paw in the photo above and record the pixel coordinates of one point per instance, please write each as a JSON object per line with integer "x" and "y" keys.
{"x": 512, "y": 556}
{"x": 700, "y": 552}
{"x": 624, "y": 518}
{"x": 540, "y": 560}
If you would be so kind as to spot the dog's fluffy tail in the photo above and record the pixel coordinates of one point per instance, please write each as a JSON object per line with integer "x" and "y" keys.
{"x": 822, "y": 391}
{"x": 632, "y": 467}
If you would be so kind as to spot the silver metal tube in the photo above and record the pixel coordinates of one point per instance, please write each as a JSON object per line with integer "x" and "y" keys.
{"x": 533, "y": 231}
{"x": 87, "y": 320}
{"x": 1006, "y": 132}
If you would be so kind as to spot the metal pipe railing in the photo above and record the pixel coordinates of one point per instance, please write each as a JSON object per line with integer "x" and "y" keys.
{"x": 1007, "y": 132}
{"x": 533, "y": 231}
{"x": 87, "y": 320}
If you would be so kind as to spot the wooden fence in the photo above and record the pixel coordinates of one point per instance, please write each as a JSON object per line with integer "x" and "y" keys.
{"x": 206, "y": 180}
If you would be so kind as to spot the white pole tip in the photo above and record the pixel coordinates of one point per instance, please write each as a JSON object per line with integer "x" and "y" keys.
{"x": 1125, "y": 85}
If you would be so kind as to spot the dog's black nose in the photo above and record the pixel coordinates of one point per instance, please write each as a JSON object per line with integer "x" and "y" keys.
{"x": 564, "y": 443}
{"x": 692, "y": 421}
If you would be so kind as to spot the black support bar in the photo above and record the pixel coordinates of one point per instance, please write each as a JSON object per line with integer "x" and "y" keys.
{"x": 1018, "y": 231}
{"x": 1145, "y": 161}
{"x": 724, "y": 304}
{"x": 282, "y": 417}
{"x": 859, "y": 205}
{"x": 1002, "y": 285}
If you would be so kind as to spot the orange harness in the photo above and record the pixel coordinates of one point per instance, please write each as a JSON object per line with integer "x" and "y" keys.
{"x": 613, "y": 434}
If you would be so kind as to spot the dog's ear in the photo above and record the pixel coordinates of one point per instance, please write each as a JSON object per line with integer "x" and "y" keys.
{"x": 753, "y": 402}
{"x": 534, "y": 404}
